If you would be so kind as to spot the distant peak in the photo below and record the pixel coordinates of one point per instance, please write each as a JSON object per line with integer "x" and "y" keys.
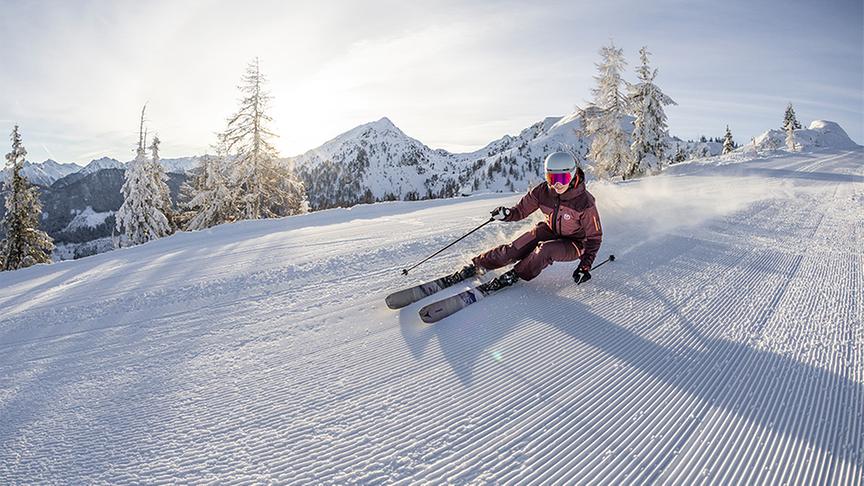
{"x": 103, "y": 163}
{"x": 381, "y": 125}
{"x": 385, "y": 122}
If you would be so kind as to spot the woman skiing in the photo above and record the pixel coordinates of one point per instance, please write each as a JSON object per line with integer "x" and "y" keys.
{"x": 571, "y": 230}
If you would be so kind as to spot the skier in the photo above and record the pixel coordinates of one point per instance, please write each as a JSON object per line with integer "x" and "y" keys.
{"x": 571, "y": 230}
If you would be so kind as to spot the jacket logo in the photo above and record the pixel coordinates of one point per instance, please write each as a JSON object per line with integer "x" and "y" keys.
{"x": 567, "y": 216}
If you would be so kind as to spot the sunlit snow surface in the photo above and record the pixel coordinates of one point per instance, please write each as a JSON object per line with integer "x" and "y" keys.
{"x": 724, "y": 345}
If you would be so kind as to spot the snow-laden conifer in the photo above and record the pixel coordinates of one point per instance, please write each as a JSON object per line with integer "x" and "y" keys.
{"x": 160, "y": 183}
{"x": 650, "y": 129}
{"x": 789, "y": 119}
{"x": 609, "y": 147}
{"x": 207, "y": 199}
{"x": 728, "y": 143}
{"x": 25, "y": 244}
{"x": 140, "y": 218}
{"x": 261, "y": 185}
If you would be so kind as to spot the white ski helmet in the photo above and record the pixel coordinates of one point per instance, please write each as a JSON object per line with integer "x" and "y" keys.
{"x": 560, "y": 168}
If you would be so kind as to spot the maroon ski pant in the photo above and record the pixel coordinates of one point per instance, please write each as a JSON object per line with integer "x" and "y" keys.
{"x": 533, "y": 251}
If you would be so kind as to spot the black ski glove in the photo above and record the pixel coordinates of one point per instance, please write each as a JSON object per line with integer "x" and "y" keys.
{"x": 500, "y": 213}
{"x": 581, "y": 275}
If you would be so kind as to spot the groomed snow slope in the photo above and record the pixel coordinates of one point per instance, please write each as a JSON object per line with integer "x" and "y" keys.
{"x": 725, "y": 345}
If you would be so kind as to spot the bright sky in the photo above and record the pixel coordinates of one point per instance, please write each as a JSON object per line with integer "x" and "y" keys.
{"x": 455, "y": 75}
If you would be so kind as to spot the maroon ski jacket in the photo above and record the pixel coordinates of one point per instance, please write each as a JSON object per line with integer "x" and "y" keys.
{"x": 571, "y": 215}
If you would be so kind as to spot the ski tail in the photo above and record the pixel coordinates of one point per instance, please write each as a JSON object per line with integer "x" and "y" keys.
{"x": 406, "y": 297}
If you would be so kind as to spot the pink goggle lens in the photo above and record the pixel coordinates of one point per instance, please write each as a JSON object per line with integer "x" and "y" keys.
{"x": 558, "y": 178}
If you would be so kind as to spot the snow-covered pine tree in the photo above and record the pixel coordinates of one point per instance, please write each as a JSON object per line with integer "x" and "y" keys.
{"x": 207, "y": 199}
{"x": 262, "y": 186}
{"x": 25, "y": 244}
{"x": 609, "y": 147}
{"x": 160, "y": 185}
{"x": 650, "y": 129}
{"x": 139, "y": 218}
{"x": 680, "y": 154}
{"x": 789, "y": 118}
{"x": 728, "y": 143}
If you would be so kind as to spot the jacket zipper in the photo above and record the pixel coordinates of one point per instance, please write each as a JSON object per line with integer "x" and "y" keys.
{"x": 555, "y": 215}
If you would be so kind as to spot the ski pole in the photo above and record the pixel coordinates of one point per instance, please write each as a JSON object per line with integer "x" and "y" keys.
{"x": 610, "y": 259}
{"x": 405, "y": 270}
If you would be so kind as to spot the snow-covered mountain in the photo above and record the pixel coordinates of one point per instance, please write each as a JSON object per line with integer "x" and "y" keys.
{"x": 377, "y": 161}
{"x": 180, "y": 165}
{"x": 99, "y": 164}
{"x": 515, "y": 162}
{"x": 724, "y": 346}
{"x": 49, "y": 171}
{"x": 44, "y": 173}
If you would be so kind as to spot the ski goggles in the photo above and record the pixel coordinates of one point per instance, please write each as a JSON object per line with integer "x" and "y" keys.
{"x": 562, "y": 178}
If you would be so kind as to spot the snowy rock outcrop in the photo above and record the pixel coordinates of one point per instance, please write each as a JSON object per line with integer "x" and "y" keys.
{"x": 88, "y": 218}
{"x": 820, "y": 134}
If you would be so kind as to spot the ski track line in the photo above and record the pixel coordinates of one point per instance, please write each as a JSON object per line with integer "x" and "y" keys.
{"x": 778, "y": 443}
{"x": 642, "y": 412}
{"x": 634, "y": 363}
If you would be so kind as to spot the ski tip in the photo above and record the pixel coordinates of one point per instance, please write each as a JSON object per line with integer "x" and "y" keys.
{"x": 426, "y": 316}
{"x": 392, "y": 303}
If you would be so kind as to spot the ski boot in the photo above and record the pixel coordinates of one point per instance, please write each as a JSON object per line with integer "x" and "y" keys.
{"x": 467, "y": 272}
{"x": 504, "y": 280}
